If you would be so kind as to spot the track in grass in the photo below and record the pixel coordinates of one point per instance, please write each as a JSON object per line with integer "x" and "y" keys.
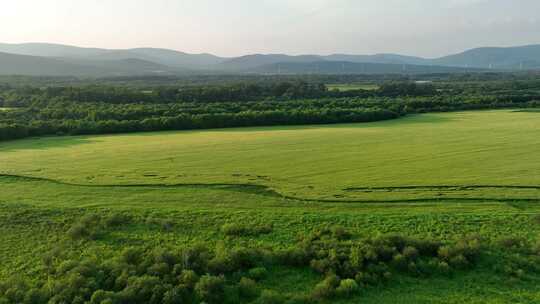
{"x": 265, "y": 191}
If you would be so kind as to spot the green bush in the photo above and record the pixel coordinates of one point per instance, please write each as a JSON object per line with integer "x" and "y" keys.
{"x": 347, "y": 288}
{"x": 410, "y": 253}
{"x": 257, "y": 273}
{"x": 325, "y": 289}
{"x": 210, "y": 289}
{"x": 80, "y": 231}
{"x": 117, "y": 219}
{"x": 271, "y": 297}
{"x": 248, "y": 288}
{"x": 188, "y": 278}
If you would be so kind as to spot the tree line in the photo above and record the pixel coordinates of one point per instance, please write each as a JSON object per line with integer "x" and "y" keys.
{"x": 96, "y": 109}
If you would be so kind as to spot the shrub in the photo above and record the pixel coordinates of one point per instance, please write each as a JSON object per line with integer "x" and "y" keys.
{"x": 131, "y": 255}
{"x": 116, "y": 219}
{"x": 248, "y": 288}
{"x": 257, "y": 273}
{"x": 189, "y": 278}
{"x": 512, "y": 242}
{"x": 210, "y": 289}
{"x": 86, "y": 228}
{"x": 536, "y": 219}
{"x": 178, "y": 294}
{"x": 163, "y": 224}
{"x": 339, "y": 233}
{"x": 299, "y": 299}
{"x": 410, "y": 253}
{"x": 347, "y": 288}
{"x": 400, "y": 261}
{"x": 326, "y": 289}
{"x": 293, "y": 256}
{"x": 322, "y": 265}
{"x": 101, "y": 296}
{"x": 461, "y": 255}
{"x": 271, "y": 297}
{"x": 80, "y": 231}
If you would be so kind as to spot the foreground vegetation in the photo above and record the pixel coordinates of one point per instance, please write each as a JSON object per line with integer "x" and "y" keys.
{"x": 347, "y": 265}
{"x": 216, "y": 216}
{"x": 418, "y": 208}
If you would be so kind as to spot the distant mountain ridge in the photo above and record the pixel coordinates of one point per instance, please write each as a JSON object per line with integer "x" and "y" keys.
{"x": 57, "y": 59}
{"x": 13, "y": 64}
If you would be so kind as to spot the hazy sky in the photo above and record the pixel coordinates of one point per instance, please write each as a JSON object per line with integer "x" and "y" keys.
{"x": 236, "y": 27}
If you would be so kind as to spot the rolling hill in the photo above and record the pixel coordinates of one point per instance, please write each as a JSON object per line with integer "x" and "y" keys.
{"x": 345, "y": 67}
{"x": 12, "y": 64}
{"x": 163, "y": 57}
{"x": 524, "y": 57}
{"x": 65, "y": 60}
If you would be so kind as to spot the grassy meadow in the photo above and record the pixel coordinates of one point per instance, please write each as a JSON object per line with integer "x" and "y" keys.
{"x": 467, "y": 155}
{"x": 438, "y": 176}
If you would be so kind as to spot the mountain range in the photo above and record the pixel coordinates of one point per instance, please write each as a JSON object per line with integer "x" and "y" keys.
{"x": 40, "y": 59}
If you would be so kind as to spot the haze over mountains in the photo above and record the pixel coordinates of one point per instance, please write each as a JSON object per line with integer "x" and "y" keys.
{"x": 61, "y": 60}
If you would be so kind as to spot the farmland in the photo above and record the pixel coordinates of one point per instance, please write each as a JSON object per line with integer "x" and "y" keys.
{"x": 440, "y": 176}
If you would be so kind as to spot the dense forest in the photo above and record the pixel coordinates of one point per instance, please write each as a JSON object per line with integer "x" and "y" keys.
{"x": 98, "y": 108}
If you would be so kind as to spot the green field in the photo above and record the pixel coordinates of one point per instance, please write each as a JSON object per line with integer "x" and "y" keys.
{"x": 468, "y": 155}
{"x": 438, "y": 176}
{"x": 343, "y": 87}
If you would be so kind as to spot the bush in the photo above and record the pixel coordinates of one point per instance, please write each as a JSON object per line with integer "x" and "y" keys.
{"x": 299, "y": 299}
{"x": 81, "y": 231}
{"x": 210, "y": 289}
{"x": 410, "y": 253}
{"x": 248, "y": 288}
{"x": 339, "y": 233}
{"x": 189, "y": 278}
{"x": 178, "y": 294}
{"x": 462, "y": 255}
{"x": 88, "y": 227}
{"x": 270, "y": 297}
{"x": 117, "y": 219}
{"x": 293, "y": 256}
{"x": 257, "y": 273}
{"x": 512, "y": 243}
{"x": 347, "y": 288}
{"x": 163, "y": 224}
{"x": 326, "y": 289}
{"x": 536, "y": 219}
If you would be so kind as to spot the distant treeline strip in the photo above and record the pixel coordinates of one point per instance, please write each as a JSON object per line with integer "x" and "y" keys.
{"x": 106, "y": 110}
{"x": 189, "y": 121}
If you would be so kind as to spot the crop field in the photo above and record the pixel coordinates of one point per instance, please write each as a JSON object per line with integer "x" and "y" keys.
{"x": 437, "y": 176}
{"x": 352, "y": 86}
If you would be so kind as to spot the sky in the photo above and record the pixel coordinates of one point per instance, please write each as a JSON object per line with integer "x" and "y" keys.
{"x": 429, "y": 28}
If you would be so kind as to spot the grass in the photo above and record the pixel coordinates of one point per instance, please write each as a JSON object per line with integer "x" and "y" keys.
{"x": 343, "y": 87}
{"x": 431, "y": 176}
{"x": 468, "y": 155}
